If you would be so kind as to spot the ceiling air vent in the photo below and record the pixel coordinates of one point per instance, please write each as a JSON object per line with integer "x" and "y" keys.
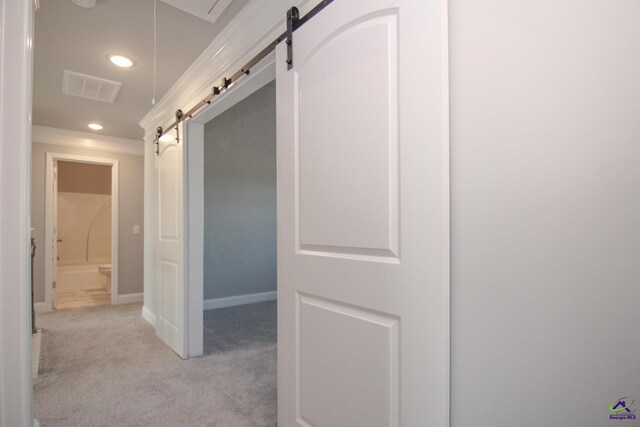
{"x": 90, "y": 87}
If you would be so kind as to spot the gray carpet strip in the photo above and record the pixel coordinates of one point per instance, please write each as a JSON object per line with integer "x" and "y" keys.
{"x": 104, "y": 366}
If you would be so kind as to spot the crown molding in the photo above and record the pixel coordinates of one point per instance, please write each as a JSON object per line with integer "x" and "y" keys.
{"x": 49, "y": 135}
{"x": 257, "y": 24}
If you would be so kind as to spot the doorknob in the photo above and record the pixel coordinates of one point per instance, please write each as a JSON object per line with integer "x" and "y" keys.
{"x": 59, "y": 240}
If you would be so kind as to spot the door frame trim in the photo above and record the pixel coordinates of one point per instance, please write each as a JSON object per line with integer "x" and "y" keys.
{"x": 16, "y": 65}
{"x": 194, "y": 198}
{"x": 257, "y": 23}
{"x": 48, "y": 225}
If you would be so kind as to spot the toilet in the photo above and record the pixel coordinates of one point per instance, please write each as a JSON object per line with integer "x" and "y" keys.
{"x": 105, "y": 270}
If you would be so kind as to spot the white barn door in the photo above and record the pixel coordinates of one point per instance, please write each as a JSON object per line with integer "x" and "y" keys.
{"x": 363, "y": 218}
{"x": 169, "y": 257}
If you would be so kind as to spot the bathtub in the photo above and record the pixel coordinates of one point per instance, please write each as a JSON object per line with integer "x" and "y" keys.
{"x": 74, "y": 277}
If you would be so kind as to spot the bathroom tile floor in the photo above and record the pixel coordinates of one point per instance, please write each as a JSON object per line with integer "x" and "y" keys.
{"x": 82, "y": 298}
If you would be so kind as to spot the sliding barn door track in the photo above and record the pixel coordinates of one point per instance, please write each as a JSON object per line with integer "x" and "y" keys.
{"x": 294, "y": 21}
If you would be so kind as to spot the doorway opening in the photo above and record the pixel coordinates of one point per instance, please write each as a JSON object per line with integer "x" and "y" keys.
{"x": 240, "y": 247}
{"x": 240, "y": 202}
{"x": 212, "y": 294}
{"x": 231, "y": 235}
{"x": 82, "y": 228}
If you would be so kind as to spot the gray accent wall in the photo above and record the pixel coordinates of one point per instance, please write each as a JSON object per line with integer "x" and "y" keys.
{"x": 131, "y": 207}
{"x": 545, "y": 211}
{"x": 240, "y": 198}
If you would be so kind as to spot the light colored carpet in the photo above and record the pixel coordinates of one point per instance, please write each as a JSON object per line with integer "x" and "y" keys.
{"x": 104, "y": 366}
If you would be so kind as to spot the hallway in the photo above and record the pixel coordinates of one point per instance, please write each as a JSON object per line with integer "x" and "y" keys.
{"x": 104, "y": 366}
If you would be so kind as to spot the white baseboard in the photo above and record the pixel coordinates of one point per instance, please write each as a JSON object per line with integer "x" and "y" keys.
{"x": 41, "y": 307}
{"x": 211, "y": 304}
{"x": 129, "y": 298}
{"x": 149, "y": 316}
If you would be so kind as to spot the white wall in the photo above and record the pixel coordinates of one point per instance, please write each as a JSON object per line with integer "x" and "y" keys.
{"x": 545, "y": 137}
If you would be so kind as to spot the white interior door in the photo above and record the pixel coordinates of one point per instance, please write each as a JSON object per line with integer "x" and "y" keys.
{"x": 363, "y": 218}
{"x": 169, "y": 262}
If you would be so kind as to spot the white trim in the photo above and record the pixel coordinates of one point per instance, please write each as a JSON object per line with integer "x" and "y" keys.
{"x": 263, "y": 74}
{"x": 446, "y": 215}
{"x": 148, "y": 316}
{"x": 256, "y": 25}
{"x": 115, "y": 217}
{"x": 49, "y": 135}
{"x": 194, "y": 237}
{"x": 48, "y": 220}
{"x": 41, "y": 307}
{"x": 127, "y": 298}
{"x": 193, "y": 139}
{"x": 212, "y": 16}
{"x": 150, "y": 226}
{"x": 212, "y": 304}
{"x": 16, "y": 53}
{"x": 194, "y": 199}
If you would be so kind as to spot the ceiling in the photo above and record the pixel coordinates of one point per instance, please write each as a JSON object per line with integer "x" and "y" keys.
{"x": 208, "y": 10}
{"x": 69, "y": 37}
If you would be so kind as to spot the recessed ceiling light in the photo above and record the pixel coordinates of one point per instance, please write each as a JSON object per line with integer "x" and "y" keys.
{"x": 95, "y": 126}
{"x": 121, "y": 61}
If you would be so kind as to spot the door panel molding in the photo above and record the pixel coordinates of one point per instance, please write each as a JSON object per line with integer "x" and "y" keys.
{"x": 170, "y": 258}
{"x": 363, "y": 237}
{"x": 385, "y": 398}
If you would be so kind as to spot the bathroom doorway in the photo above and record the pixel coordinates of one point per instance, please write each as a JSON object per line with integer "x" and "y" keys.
{"x": 81, "y": 226}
